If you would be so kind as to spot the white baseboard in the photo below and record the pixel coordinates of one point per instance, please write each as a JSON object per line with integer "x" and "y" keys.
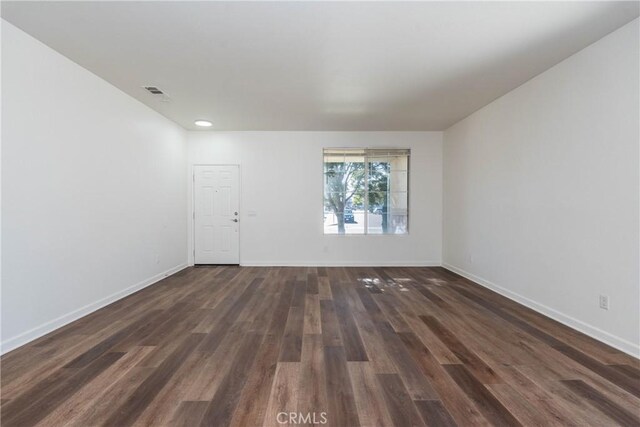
{"x": 339, "y": 264}
{"x": 32, "y": 334}
{"x": 596, "y": 333}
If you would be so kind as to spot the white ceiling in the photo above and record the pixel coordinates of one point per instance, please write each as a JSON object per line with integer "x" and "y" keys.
{"x": 318, "y": 65}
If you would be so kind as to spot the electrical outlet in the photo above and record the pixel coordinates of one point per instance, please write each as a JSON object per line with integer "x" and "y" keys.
{"x": 604, "y": 302}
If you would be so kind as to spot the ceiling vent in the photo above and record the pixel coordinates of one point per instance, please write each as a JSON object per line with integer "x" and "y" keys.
{"x": 158, "y": 93}
{"x": 154, "y": 90}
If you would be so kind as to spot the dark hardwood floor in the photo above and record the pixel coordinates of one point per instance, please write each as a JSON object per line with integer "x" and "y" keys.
{"x": 238, "y": 346}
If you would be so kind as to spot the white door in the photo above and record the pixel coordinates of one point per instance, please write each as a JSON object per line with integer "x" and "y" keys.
{"x": 217, "y": 215}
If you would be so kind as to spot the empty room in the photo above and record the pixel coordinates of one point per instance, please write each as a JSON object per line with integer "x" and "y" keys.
{"x": 310, "y": 213}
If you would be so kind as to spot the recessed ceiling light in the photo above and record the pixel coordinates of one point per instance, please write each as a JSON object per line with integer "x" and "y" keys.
{"x": 203, "y": 123}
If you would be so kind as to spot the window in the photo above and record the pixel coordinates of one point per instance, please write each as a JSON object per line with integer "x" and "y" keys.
{"x": 366, "y": 191}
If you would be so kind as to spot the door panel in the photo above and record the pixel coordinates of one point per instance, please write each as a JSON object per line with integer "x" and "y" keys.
{"x": 217, "y": 214}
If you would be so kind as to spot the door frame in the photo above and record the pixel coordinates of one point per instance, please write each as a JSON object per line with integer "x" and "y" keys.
{"x": 191, "y": 256}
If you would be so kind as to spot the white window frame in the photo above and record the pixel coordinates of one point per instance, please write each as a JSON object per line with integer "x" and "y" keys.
{"x": 366, "y": 154}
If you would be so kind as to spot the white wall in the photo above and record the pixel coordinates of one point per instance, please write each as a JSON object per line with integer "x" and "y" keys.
{"x": 282, "y": 181}
{"x": 93, "y": 187}
{"x": 541, "y": 191}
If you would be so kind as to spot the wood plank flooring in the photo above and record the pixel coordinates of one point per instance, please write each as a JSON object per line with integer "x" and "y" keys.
{"x": 248, "y": 346}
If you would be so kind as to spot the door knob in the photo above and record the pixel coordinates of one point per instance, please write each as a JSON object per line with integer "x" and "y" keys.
{"x": 235, "y": 220}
